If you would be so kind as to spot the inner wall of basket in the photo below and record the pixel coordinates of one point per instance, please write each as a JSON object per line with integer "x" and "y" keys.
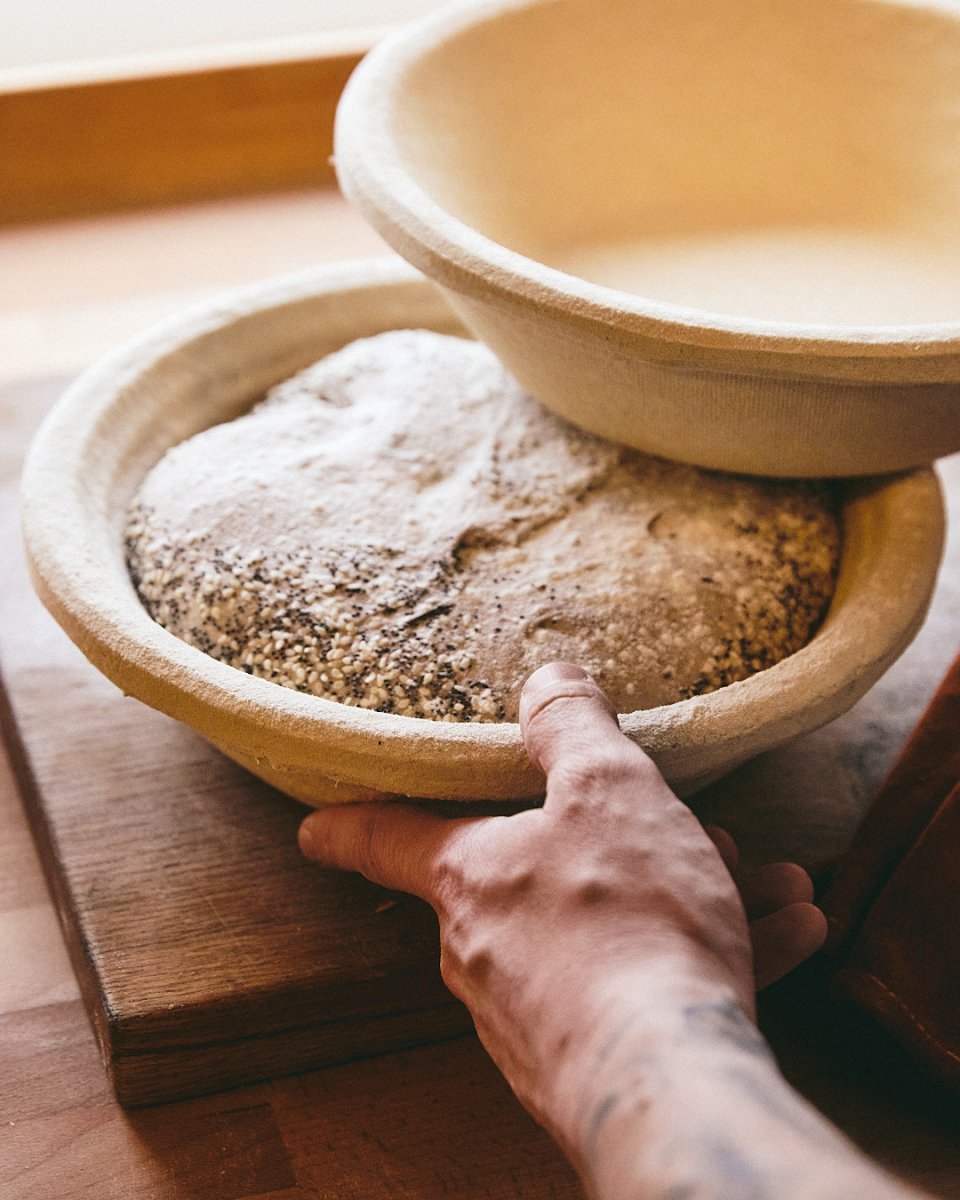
{"x": 797, "y": 161}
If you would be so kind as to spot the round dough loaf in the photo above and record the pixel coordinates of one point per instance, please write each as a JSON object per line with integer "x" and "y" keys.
{"x": 400, "y": 527}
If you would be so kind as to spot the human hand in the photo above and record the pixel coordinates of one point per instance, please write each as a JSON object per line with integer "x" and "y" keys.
{"x": 549, "y": 916}
{"x": 784, "y": 925}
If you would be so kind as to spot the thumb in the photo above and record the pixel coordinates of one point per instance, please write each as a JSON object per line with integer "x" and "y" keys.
{"x": 565, "y": 714}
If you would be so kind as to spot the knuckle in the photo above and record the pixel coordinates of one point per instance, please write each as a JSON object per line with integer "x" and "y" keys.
{"x": 601, "y": 769}
{"x": 468, "y": 952}
{"x": 450, "y": 871}
{"x": 475, "y": 960}
{"x": 594, "y": 888}
{"x": 505, "y": 886}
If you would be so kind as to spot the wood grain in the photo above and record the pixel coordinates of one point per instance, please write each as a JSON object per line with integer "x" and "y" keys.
{"x": 434, "y": 1121}
{"x": 208, "y": 951}
{"x": 162, "y": 139}
{"x": 438, "y": 1122}
{"x": 209, "y": 954}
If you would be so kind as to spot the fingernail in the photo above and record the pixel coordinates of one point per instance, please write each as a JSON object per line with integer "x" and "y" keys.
{"x": 551, "y": 672}
{"x": 542, "y": 680}
{"x": 306, "y": 841}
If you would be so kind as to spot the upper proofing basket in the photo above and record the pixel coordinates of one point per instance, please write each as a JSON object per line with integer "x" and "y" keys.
{"x": 724, "y": 232}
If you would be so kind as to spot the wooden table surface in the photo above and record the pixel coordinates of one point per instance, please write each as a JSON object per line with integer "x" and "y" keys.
{"x": 432, "y": 1122}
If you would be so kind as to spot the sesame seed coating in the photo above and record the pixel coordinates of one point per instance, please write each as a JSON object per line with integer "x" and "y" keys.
{"x": 401, "y": 528}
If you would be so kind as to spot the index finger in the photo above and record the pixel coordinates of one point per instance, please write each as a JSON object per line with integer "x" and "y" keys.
{"x": 562, "y": 712}
{"x": 571, "y": 732}
{"x": 395, "y": 845}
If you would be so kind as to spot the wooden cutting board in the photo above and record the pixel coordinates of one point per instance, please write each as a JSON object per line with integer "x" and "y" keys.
{"x": 209, "y": 953}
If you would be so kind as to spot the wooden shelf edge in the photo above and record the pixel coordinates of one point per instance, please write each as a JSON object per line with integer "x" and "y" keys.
{"x": 109, "y": 145}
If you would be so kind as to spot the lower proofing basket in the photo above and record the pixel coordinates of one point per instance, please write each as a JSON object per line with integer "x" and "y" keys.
{"x": 210, "y": 365}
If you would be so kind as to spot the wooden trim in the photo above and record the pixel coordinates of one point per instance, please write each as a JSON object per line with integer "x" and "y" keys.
{"x": 105, "y": 145}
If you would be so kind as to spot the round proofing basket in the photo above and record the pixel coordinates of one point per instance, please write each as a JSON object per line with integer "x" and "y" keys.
{"x": 210, "y": 365}
{"x": 489, "y": 141}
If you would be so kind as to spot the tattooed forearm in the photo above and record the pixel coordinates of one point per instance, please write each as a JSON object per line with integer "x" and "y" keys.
{"x": 628, "y": 1064}
{"x": 725, "y": 1021}
{"x": 699, "y": 1111}
{"x": 722, "y": 1170}
{"x": 619, "y": 1055}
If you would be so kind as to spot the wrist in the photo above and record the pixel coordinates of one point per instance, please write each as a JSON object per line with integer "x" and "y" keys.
{"x": 676, "y": 1092}
{"x": 609, "y": 1048}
